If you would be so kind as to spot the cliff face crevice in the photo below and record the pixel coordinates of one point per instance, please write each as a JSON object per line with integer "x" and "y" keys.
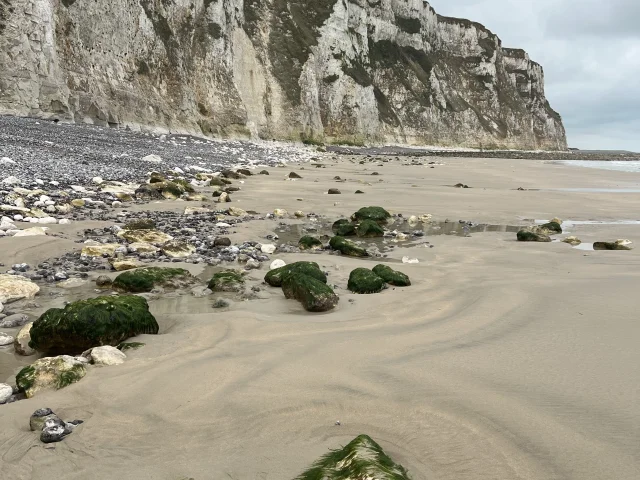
{"x": 329, "y": 70}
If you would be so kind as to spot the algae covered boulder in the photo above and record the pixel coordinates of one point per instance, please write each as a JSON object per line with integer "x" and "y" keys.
{"x": 313, "y": 294}
{"x": 50, "y": 373}
{"x": 391, "y": 276}
{"x": 550, "y": 228}
{"x": 309, "y": 243}
{"x": 85, "y": 324}
{"x": 146, "y": 279}
{"x": 312, "y": 269}
{"x": 347, "y": 247}
{"x": 361, "y": 459}
{"x": 363, "y": 280}
{"x": 369, "y": 229}
{"x": 228, "y": 281}
{"x": 617, "y": 245}
{"x": 377, "y": 214}
{"x": 140, "y": 224}
{"x": 527, "y": 236}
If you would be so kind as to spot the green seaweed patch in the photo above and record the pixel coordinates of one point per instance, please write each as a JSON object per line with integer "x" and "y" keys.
{"x": 363, "y": 280}
{"x": 369, "y": 229}
{"x": 347, "y": 247}
{"x": 362, "y": 458}
{"x": 309, "y": 243}
{"x": 553, "y": 227}
{"x": 184, "y": 184}
{"x": 377, "y": 214}
{"x": 312, "y": 269}
{"x": 314, "y": 295}
{"x": 124, "y": 346}
{"x": 391, "y": 276}
{"x": 90, "y": 323}
{"x": 26, "y": 378}
{"x": 346, "y": 230}
{"x": 73, "y": 375}
{"x": 227, "y": 281}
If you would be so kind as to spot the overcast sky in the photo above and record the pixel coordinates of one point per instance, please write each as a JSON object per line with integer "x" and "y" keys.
{"x": 590, "y": 51}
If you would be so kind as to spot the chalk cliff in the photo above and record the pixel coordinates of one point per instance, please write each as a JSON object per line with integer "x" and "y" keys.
{"x": 354, "y": 71}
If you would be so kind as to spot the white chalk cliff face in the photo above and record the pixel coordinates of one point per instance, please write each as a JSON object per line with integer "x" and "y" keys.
{"x": 360, "y": 71}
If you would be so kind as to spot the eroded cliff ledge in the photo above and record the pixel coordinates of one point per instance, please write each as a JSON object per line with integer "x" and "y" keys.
{"x": 323, "y": 70}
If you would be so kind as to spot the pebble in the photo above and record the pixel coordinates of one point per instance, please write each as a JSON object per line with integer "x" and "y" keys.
{"x": 15, "y": 320}
{"x": 5, "y": 339}
{"x": 277, "y": 264}
{"x": 5, "y": 392}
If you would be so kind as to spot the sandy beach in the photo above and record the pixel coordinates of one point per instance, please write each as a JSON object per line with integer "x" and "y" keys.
{"x": 503, "y": 360}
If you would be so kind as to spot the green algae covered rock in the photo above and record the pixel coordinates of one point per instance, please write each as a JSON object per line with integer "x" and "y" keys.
{"x": 227, "y": 281}
{"x": 391, "y": 276}
{"x": 550, "y": 228}
{"x": 50, "y": 373}
{"x": 124, "y": 346}
{"x": 363, "y": 280}
{"x": 338, "y": 223}
{"x": 346, "y": 230}
{"x": 617, "y": 245}
{"x": 527, "y": 236}
{"x": 377, "y": 214}
{"x": 312, "y": 269}
{"x": 309, "y": 243}
{"x": 85, "y": 324}
{"x": 347, "y": 247}
{"x": 361, "y": 459}
{"x": 369, "y": 229}
{"x": 146, "y": 279}
{"x": 314, "y": 295}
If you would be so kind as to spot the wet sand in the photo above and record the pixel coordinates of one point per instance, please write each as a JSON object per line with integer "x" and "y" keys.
{"x": 503, "y": 360}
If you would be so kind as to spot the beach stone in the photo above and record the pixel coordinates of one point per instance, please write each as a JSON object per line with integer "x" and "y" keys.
{"x": 222, "y": 242}
{"x": 360, "y": 455}
{"x": 106, "y": 355}
{"x": 313, "y": 294}
{"x": 550, "y": 228}
{"x": 363, "y": 280}
{"x": 252, "y": 264}
{"x": 227, "y": 281}
{"x": 277, "y": 264}
{"x": 178, "y": 249}
{"x": 32, "y": 232}
{"x": 36, "y": 422}
{"x": 528, "y": 236}
{"x": 224, "y": 198}
{"x": 155, "y": 237}
{"x": 78, "y": 203}
{"x": 194, "y": 210}
{"x": 49, "y": 373}
{"x": 103, "y": 281}
{"x": 410, "y": 260}
{"x": 144, "y": 280}
{"x": 94, "y": 322}
{"x": 237, "y": 212}
{"x": 123, "y": 265}
{"x": 280, "y": 212}
{"x": 152, "y": 158}
{"x": 275, "y": 276}
{"x": 268, "y": 248}
{"x": 15, "y": 287}
{"x": 347, "y": 247}
{"x": 15, "y": 320}
{"x": 377, "y": 214}
{"x": 21, "y": 342}
{"x": 617, "y": 245}
{"x": 6, "y": 391}
{"x": 369, "y": 229}
{"x": 140, "y": 224}
{"x": 53, "y": 433}
{"x": 142, "y": 247}
{"x": 299, "y": 213}
{"x": 108, "y": 249}
{"x": 572, "y": 240}
{"x": 392, "y": 277}
{"x": 309, "y": 243}
{"x": 334, "y": 191}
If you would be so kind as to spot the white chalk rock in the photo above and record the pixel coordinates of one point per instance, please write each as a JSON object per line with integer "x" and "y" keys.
{"x": 268, "y": 248}
{"x": 6, "y": 161}
{"x": 5, "y": 392}
{"x": 410, "y": 260}
{"x": 106, "y": 355}
{"x": 15, "y": 287}
{"x": 97, "y": 180}
{"x": 11, "y": 180}
{"x": 277, "y": 264}
{"x": 21, "y": 343}
{"x": 5, "y": 339}
{"x": 152, "y": 158}
{"x": 32, "y": 232}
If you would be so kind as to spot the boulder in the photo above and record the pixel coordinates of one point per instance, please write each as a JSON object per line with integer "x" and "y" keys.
{"x": 346, "y": 230}
{"x": 140, "y": 224}
{"x": 142, "y": 247}
{"x": 550, "y": 228}
{"x": 617, "y": 245}
{"x": 377, "y": 214}
{"x": 106, "y": 249}
{"x": 362, "y": 459}
{"x": 222, "y": 242}
{"x": 178, "y": 249}
{"x": 347, "y": 247}
{"x": 123, "y": 265}
{"x": 294, "y": 175}
{"x": 105, "y": 355}
{"x": 392, "y": 277}
{"x": 268, "y": 248}
{"x": 32, "y": 232}
{"x": 146, "y": 279}
{"x": 237, "y": 212}
{"x": 85, "y": 324}
{"x": 49, "y": 373}
{"x": 104, "y": 281}
{"x": 15, "y": 320}
{"x": 363, "y": 280}
{"x": 15, "y": 287}
{"x": 36, "y": 422}
{"x": 369, "y": 229}
{"x": 274, "y": 277}
{"x": 228, "y": 281}
{"x": 21, "y": 342}
{"x": 334, "y": 191}
{"x": 309, "y": 243}
{"x": 572, "y": 240}
{"x": 527, "y": 236}
{"x": 6, "y": 339}
{"x": 313, "y": 294}
{"x": 145, "y": 236}
{"x": 278, "y": 263}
